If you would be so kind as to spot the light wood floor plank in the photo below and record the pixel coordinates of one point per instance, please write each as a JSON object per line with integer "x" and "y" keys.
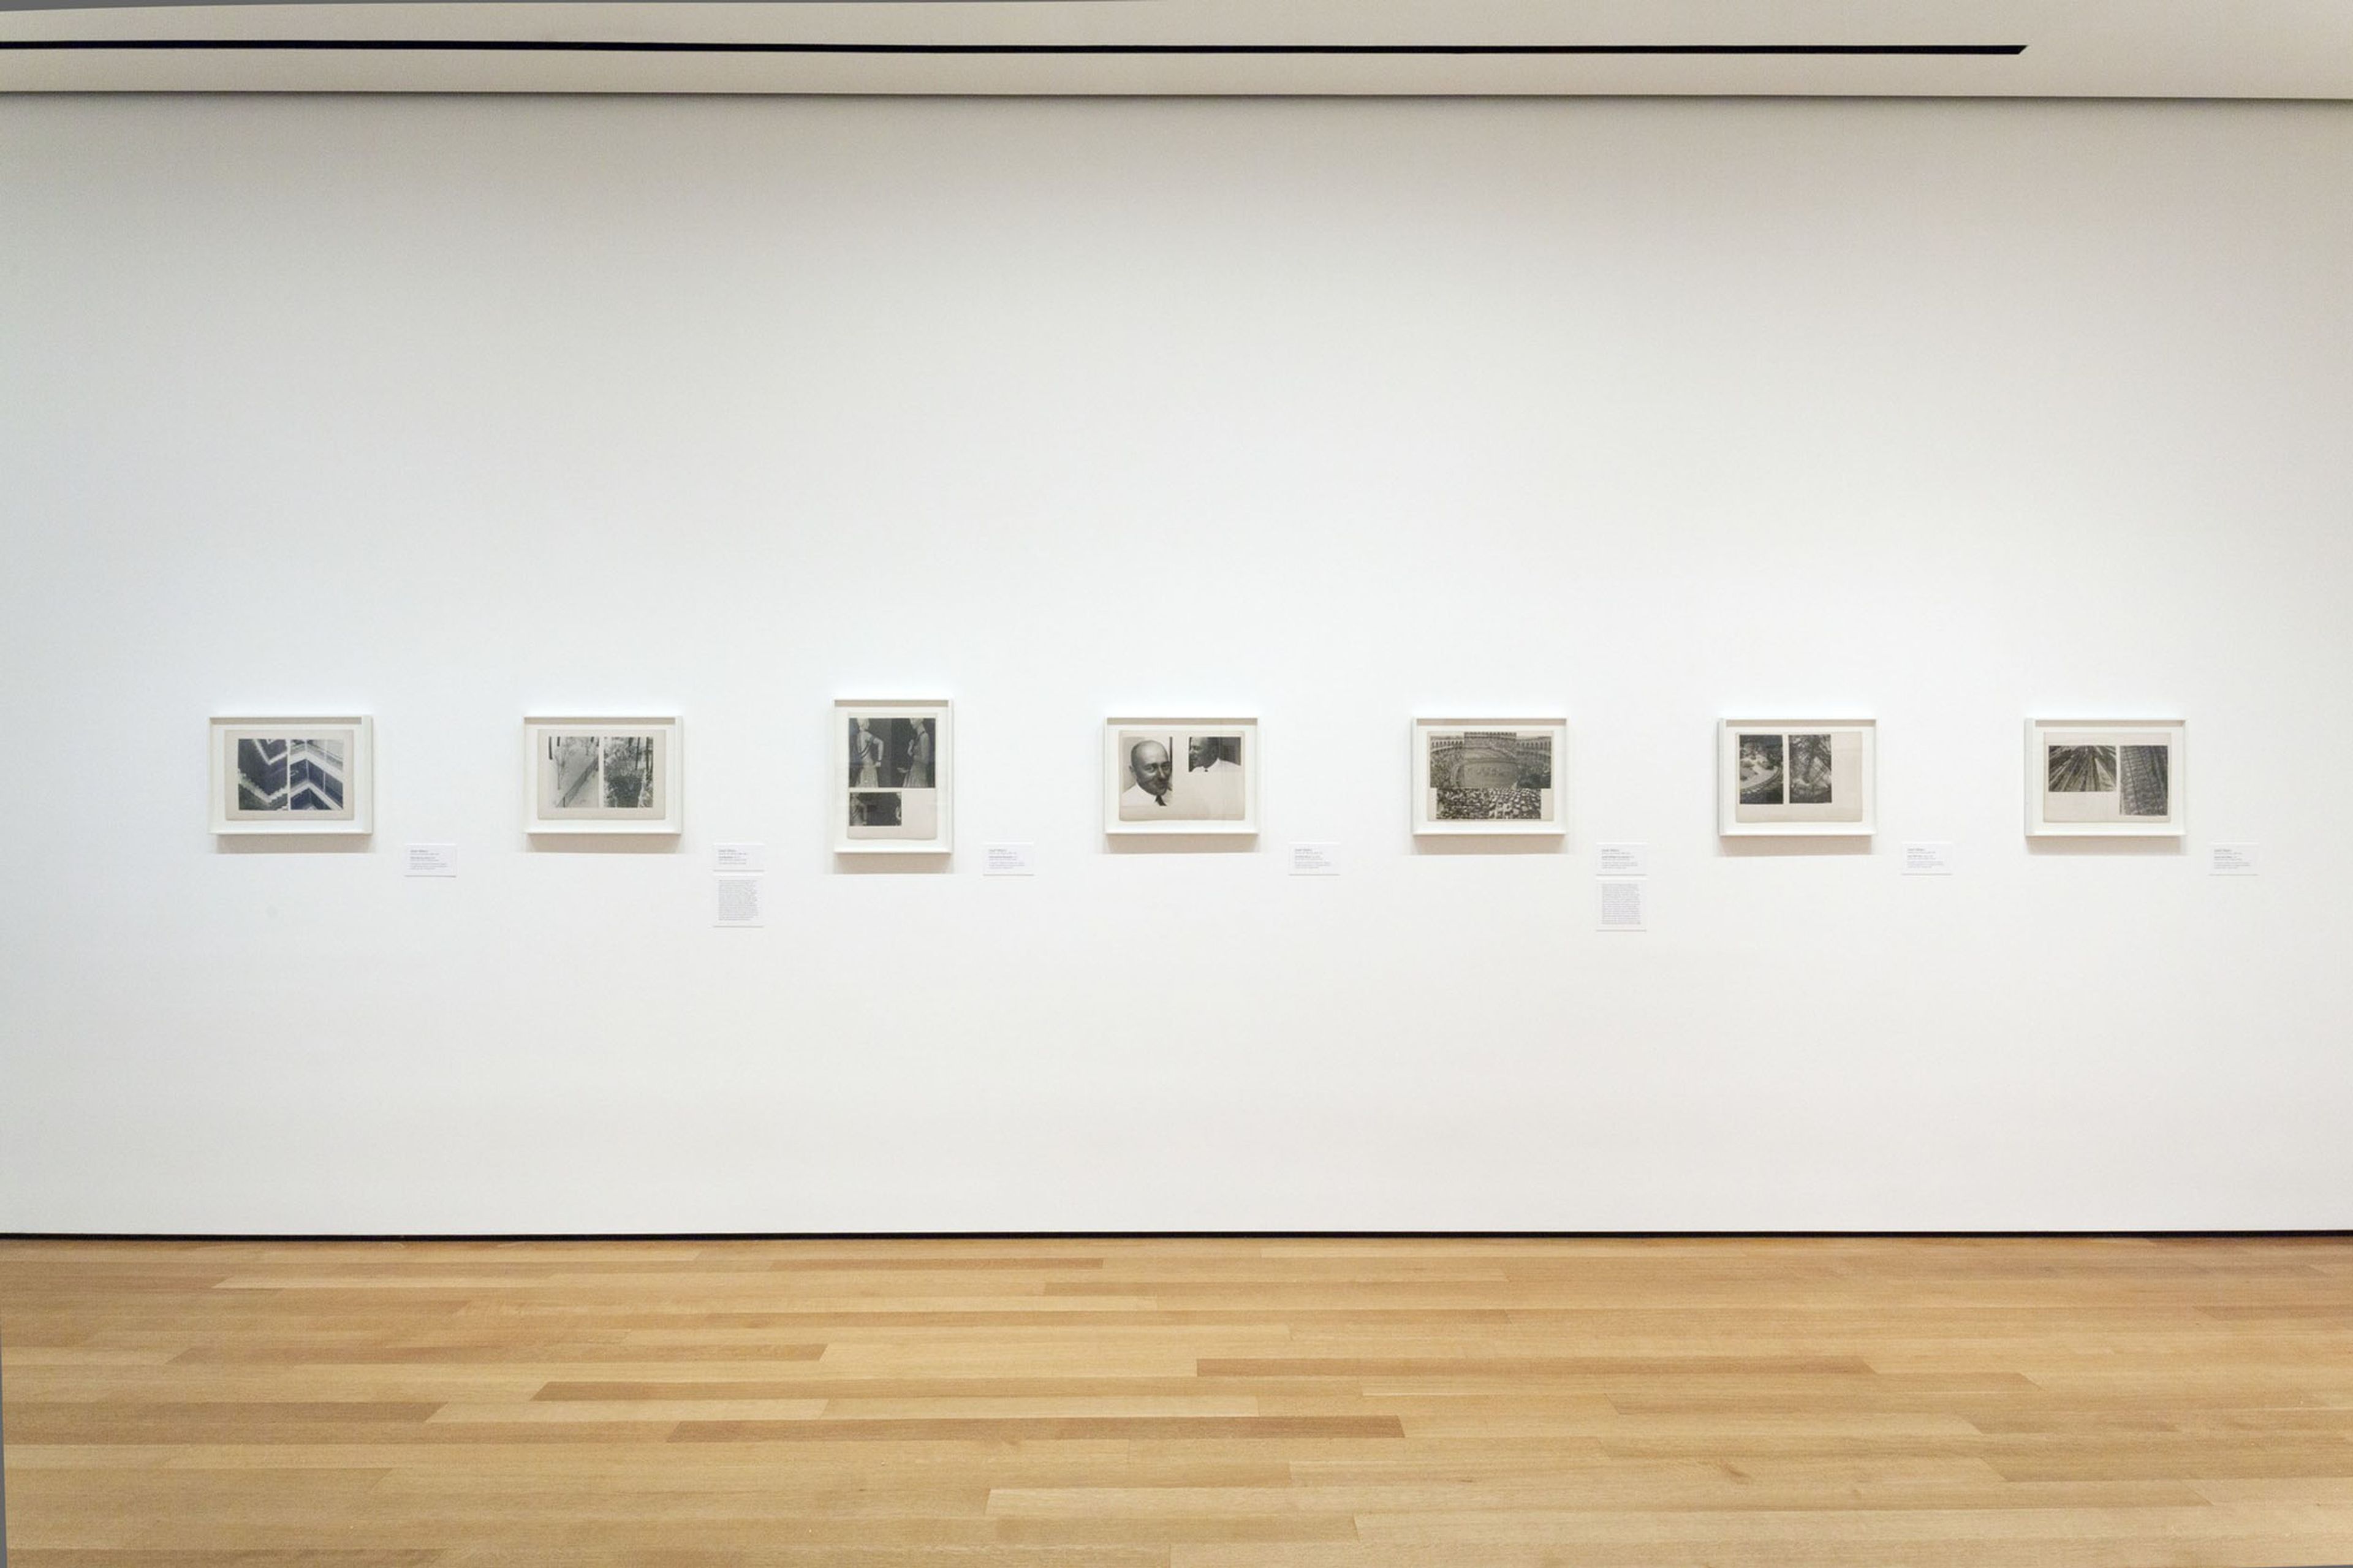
{"x": 1296, "y": 1403}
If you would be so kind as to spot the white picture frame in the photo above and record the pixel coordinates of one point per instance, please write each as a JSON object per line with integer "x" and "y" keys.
{"x": 287, "y": 776}
{"x": 884, "y": 750}
{"x": 1480, "y": 777}
{"x": 1208, "y": 788}
{"x": 597, "y": 774}
{"x": 1823, "y": 774}
{"x": 2108, "y": 778}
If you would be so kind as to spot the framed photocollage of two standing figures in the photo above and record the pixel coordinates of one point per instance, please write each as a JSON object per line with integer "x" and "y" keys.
{"x": 893, "y": 769}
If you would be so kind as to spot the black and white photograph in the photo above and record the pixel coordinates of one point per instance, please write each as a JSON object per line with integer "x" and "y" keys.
{"x": 1796, "y": 778}
{"x": 1180, "y": 776}
{"x": 294, "y": 776}
{"x": 875, "y": 809}
{"x": 1174, "y": 776}
{"x": 892, "y": 754}
{"x": 628, "y": 764}
{"x": 893, "y": 815}
{"x": 2147, "y": 780}
{"x": 596, "y": 776}
{"x": 1204, "y": 753}
{"x": 262, "y": 774}
{"x": 575, "y": 781}
{"x": 2090, "y": 777}
{"x": 1762, "y": 782}
{"x": 302, "y": 773}
{"x": 1810, "y": 770}
{"x": 890, "y": 761}
{"x": 2080, "y": 770}
{"x": 1487, "y": 775}
{"x": 602, "y": 775}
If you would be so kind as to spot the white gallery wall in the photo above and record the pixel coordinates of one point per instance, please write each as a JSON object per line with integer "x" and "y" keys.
{"x": 450, "y": 411}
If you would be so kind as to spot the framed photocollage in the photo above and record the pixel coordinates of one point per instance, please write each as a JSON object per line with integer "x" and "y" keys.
{"x": 1196, "y": 776}
{"x": 1811, "y": 778}
{"x": 893, "y": 773}
{"x": 603, "y": 775}
{"x": 1490, "y": 775}
{"x": 2106, "y": 778}
{"x": 293, "y": 775}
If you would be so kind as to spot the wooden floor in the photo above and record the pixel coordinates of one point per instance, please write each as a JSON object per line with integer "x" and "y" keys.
{"x": 1192, "y": 1404}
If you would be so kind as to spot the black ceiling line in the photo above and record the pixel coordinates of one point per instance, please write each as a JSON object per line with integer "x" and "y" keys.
{"x": 664, "y": 46}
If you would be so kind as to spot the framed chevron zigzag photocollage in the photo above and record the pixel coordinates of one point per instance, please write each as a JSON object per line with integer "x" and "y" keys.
{"x": 293, "y": 775}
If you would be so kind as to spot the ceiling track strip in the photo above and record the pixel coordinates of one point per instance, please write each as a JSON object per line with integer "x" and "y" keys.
{"x": 665, "y": 46}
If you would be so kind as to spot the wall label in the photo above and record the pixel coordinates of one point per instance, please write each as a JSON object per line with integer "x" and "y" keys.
{"x": 1623, "y": 905}
{"x": 736, "y": 901}
{"x": 1621, "y": 859}
{"x": 1314, "y": 860}
{"x": 739, "y": 858}
{"x": 1927, "y": 858}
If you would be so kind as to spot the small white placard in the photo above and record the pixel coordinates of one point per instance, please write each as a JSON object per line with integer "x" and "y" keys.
{"x": 745, "y": 858}
{"x": 1315, "y": 860}
{"x": 1008, "y": 860}
{"x": 737, "y": 901}
{"x": 1621, "y": 859}
{"x": 1621, "y": 905}
{"x": 1923, "y": 857}
{"x": 432, "y": 859}
{"x": 2232, "y": 859}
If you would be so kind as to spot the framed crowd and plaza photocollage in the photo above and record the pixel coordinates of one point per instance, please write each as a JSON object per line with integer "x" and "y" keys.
{"x": 1490, "y": 776}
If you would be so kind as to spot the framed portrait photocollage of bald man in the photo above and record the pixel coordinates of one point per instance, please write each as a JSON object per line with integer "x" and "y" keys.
{"x": 1192, "y": 776}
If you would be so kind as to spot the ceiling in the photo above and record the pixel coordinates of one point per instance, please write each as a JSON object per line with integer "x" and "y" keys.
{"x": 2015, "y": 48}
